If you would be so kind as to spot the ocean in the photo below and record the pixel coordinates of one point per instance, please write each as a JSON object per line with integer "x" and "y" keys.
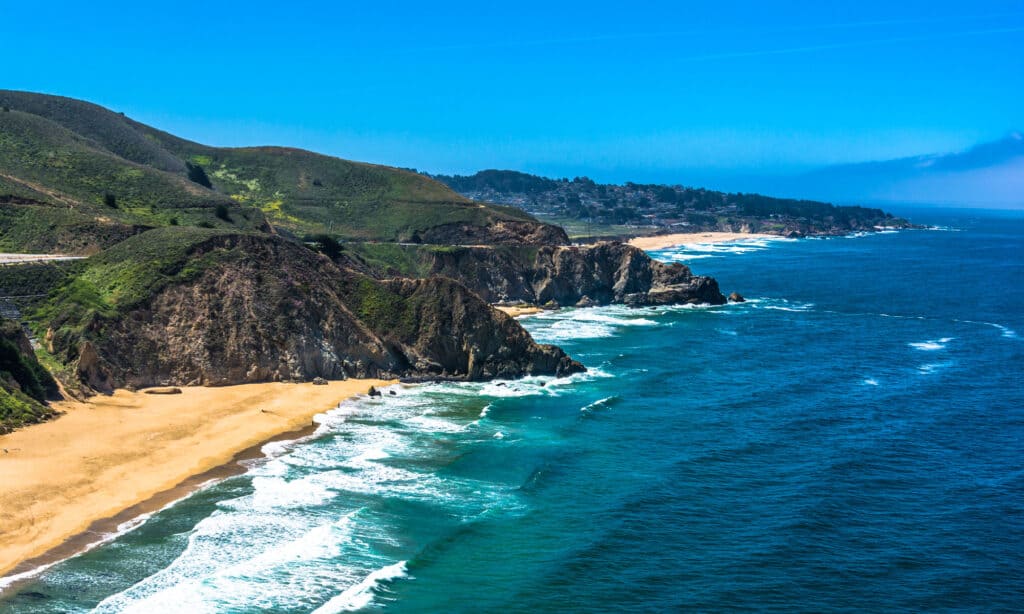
{"x": 851, "y": 438}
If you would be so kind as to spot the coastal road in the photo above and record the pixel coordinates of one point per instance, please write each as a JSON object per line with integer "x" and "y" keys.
{"x": 8, "y": 259}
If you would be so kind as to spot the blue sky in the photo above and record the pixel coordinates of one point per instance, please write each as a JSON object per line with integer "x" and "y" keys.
{"x": 663, "y": 91}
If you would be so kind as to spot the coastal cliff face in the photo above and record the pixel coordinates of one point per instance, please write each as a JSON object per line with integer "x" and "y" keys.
{"x": 25, "y": 386}
{"x": 567, "y": 275}
{"x": 239, "y": 308}
{"x": 457, "y": 333}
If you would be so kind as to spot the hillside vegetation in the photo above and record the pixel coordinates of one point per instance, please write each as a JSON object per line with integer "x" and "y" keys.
{"x": 77, "y": 177}
{"x": 183, "y": 305}
{"x": 25, "y": 386}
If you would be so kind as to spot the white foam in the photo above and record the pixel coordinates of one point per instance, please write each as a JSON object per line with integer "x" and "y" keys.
{"x": 695, "y": 307}
{"x": 697, "y": 250}
{"x": 534, "y": 385}
{"x": 929, "y": 368}
{"x": 227, "y": 561}
{"x": 511, "y": 389}
{"x": 787, "y": 306}
{"x": 1006, "y": 331}
{"x": 870, "y": 381}
{"x": 598, "y": 322}
{"x": 566, "y": 330}
{"x": 1009, "y": 333}
{"x": 932, "y": 345}
{"x": 587, "y": 315}
{"x": 274, "y": 449}
{"x": 258, "y": 551}
{"x": 598, "y": 404}
{"x": 776, "y": 304}
{"x": 122, "y": 529}
{"x": 361, "y": 595}
{"x": 435, "y": 425}
{"x": 899, "y": 317}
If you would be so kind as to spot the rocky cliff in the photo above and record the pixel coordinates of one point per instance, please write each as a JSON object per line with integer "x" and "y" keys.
{"x": 25, "y": 386}
{"x": 566, "y": 275}
{"x": 218, "y": 308}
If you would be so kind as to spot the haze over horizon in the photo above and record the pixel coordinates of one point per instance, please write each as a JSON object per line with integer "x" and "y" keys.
{"x": 731, "y": 96}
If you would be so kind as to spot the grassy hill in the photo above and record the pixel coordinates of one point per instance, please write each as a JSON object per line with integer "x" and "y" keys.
{"x": 66, "y": 164}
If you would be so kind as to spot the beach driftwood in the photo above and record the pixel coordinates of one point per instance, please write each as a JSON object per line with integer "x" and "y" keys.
{"x": 164, "y": 390}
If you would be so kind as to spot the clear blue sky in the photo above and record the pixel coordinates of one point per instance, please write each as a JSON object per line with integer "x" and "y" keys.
{"x": 626, "y": 90}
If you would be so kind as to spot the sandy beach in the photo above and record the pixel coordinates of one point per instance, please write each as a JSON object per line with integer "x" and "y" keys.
{"x": 111, "y": 453}
{"x": 666, "y": 241}
{"x": 517, "y": 311}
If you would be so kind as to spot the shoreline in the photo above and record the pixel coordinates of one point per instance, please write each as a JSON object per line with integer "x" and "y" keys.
{"x": 691, "y": 238}
{"x": 72, "y": 483}
{"x": 519, "y": 310}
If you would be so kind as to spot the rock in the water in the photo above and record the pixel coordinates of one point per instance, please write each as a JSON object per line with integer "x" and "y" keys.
{"x": 373, "y": 392}
{"x": 319, "y": 381}
{"x": 586, "y": 301}
{"x": 736, "y": 297}
{"x": 163, "y": 390}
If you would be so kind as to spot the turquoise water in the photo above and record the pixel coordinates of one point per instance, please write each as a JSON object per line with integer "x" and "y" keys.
{"x": 852, "y": 438}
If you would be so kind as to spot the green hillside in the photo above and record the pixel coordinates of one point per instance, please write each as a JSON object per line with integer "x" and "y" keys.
{"x": 25, "y": 386}
{"x": 73, "y": 163}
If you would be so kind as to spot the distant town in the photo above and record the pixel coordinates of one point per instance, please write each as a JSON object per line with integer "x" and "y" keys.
{"x": 581, "y": 204}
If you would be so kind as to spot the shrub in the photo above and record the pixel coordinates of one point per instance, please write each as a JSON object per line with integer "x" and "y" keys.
{"x": 174, "y": 221}
{"x": 197, "y": 174}
{"x": 110, "y": 200}
{"x": 222, "y": 212}
{"x": 327, "y": 245}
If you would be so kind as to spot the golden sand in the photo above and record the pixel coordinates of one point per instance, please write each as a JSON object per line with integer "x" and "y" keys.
{"x": 111, "y": 453}
{"x": 515, "y": 312}
{"x": 688, "y": 238}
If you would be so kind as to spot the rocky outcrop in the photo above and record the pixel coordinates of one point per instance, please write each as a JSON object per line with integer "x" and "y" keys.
{"x": 259, "y": 308}
{"x": 459, "y": 334}
{"x": 498, "y": 233}
{"x": 571, "y": 275}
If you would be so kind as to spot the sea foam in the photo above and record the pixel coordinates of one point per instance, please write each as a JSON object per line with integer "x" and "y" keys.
{"x": 932, "y": 345}
{"x": 361, "y": 595}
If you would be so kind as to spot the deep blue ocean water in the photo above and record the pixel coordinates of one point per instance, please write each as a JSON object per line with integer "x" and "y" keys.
{"x": 850, "y": 439}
